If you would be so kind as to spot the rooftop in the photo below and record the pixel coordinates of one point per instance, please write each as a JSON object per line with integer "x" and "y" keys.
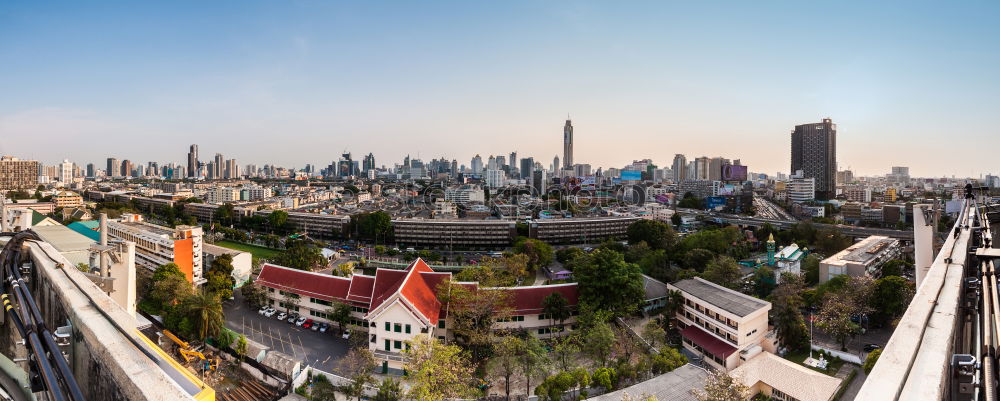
{"x": 862, "y": 252}
{"x": 795, "y": 380}
{"x": 673, "y": 386}
{"x": 728, "y": 300}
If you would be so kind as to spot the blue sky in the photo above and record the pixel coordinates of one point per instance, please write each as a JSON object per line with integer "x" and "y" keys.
{"x": 299, "y": 82}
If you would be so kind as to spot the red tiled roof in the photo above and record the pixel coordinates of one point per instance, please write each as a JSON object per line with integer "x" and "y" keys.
{"x": 528, "y": 300}
{"x": 316, "y": 285}
{"x": 708, "y": 342}
{"x": 387, "y": 281}
{"x": 419, "y": 293}
{"x": 361, "y": 289}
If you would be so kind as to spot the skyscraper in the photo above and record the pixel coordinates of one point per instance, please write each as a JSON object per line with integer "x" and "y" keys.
{"x": 814, "y": 151}
{"x": 513, "y": 160}
{"x": 527, "y": 166}
{"x": 568, "y": 144}
{"x": 680, "y": 168}
{"x": 114, "y": 168}
{"x": 65, "y": 171}
{"x": 90, "y": 170}
{"x": 477, "y": 165}
{"x": 192, "y": 168}
{"x": 369, "y": 163}
{"x": 219, "y": 166}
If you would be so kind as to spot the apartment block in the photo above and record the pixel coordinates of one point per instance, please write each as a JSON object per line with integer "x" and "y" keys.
{"x": 158, "y": 245}
{"x": 861, "y": 258}
{"x": 18, "y": 174}
{"x": 580, "y": 230}
{"x": 454, "y": 233}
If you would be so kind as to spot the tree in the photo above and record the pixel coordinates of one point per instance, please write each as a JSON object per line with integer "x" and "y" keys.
{"x": 810, "y": 265}
{"x": 656, "y": 234}
{"x": 787, "y": 313}
{"x": 607, "y": 282}
{"x": 871, "y": 359}
{"x": 322, "y": 389}
{"x": 890, "y": 297}
{"x": 170, "y": 286}
{"x": 388, "y": 390}
{"x": 654, "y": 333}
{"x": 831, "y": 241}
{"x": 764, "y": 281}
{"x": 340, "y": 313}
{"x": 359, "y": 366}
{"x": 894, "y": 267}
{"x": 624, "y": 345}
{"x": 597, "y": 342}
{"x": 720, "y": 386}
{"x": 835, "y": 318}
{"x": 667, "y": 360}
{"x": 563, "y": 349}
{"x": 474, "y": 312}
{"x": 437, "y": 371}
{"x": 698, "y": 259}
{"x": 567, "y": 255}
{"x": 605, "y": 378}
{"x": 505, "y": 360}
{"x": 539, "y": 253}
{"x": 532, "y": 360}
{"x": 497, "y": 272}
{"x": 253, "y": 294}
{"x": 205, "y": 311}
{"x": 241, "y": 347}
{"x": 277, "y": 219}
{"x": 553, "y": 387}
{"x": 724, "y": 271}
{"x": 301, "y": 255}
{"x": 556, "y": 307}
{"x": 676, "y": 220}
{"x": 220, "y": 285}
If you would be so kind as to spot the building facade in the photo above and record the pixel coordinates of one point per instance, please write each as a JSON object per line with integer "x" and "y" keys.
{"x": 18, "y": 174}
{"x": 814, "y": 151}
{"x": 157, "y": 245}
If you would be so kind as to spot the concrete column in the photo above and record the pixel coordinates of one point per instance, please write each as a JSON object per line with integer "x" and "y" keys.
{"x": 923, "y": 241}
{"x": 104, "y": 243}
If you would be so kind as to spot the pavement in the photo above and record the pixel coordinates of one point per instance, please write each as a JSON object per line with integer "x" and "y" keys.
{"x": 855, "y": 386}
{"x": 320, "y": 350}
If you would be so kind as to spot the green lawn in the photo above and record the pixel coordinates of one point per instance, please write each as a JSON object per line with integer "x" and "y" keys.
{"x": 257, "y": 251}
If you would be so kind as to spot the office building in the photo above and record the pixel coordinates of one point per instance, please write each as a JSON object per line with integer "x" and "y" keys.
{"x": 814, "y": 151}
{"x": 864, "y": 257}
{"x": 801, "y": 189}
{"x": 18, "y": 174}
{"x": 701, "y": 165}
{"x": 369, "y": 163}
{"x": 527, "y": 166}
{"x": 114, "y": 168}
{"x": 568, "y": 145}
{"x": 158, "y": 245}
{"x": 679, "y": 168}
{"x": 476, "y": 165}
{"x": 66, "y": 172}
{"x": 217, "y": 166}
{"x": 465, "y": 194}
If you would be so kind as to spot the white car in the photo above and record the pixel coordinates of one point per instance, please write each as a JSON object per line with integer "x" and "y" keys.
{"x": 347, "y": 334}
{"x": 269, "y": 312}
{"x": 262, "y": 310}
{"x": 281, "y": 316}
{"x": 300, "y": 320}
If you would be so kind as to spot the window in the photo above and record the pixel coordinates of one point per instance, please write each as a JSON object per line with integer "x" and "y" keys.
{"x": 359, "y": 309}
{"x": 318, "y": 314}
{"x": 396, "y": 327}
{"x": 387, "y": 345}
{"x": 397, "y": 344}
{"x": 321, "y": 302}
{"x": 387, "y": 326}
{"x": 543, "y": 317}
{"x": 441, "y": 323}
{"x": 407, "y": 329}
{"x": 517, "y": 318}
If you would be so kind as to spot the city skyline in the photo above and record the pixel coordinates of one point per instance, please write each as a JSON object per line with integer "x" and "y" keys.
{"x": 647, "y": 83}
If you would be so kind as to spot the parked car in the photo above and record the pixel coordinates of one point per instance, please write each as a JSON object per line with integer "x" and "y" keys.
{"x": 323, "y": 327}
{"x": 347, "y": 335}
{"x": 300, "y": 320}
{"x": 871, "y": 347}
{"x": 262, "y": 310}
{"x": 314, "y": 327}
{"x": 282, "y": 316}
{"x": 307, "y": 324}
{"x": 292, "y": 318}
{"x": 269, "y": 312}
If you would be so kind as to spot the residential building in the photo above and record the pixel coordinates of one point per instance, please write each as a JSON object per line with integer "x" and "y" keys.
{"x": 192, "y": 162}
{"x": 444, "y": 209}
{"x": 465, "y": 194}
{"x": 814, "y": 151}
{"x": 579, "y": 230}
{"x": 679, "y": 168}
{"x": 222, "y": 195}
{"x": 67, "y": 199}
{"x": 864, "y": 257}
{"x": 783, "y": 380}
{"x": 114, "y": 168}
{"x": 454, "y": 233}
{"x": 158, "y": 245}
{"x": 721, "y": 324}
{"x": 18, "y": 174}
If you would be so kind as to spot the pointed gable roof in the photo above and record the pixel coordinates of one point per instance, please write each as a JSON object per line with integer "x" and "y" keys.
{"x": 414, "y": 286}
{"x": 316, "y": 285}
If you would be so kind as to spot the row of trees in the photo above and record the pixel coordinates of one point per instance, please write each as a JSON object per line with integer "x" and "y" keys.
{"x": 195, "y": 314}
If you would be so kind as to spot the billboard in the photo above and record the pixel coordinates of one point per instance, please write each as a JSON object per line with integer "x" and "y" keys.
{"x": 734, "y": 173}
{"x": 727, "y": 190}
{"x": 664, "y": 199}
{"x": 631, "y": 175}
{"x": 715, "y": 202}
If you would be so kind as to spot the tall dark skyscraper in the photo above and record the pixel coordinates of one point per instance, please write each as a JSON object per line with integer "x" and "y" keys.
{"x": 218, "y": 166}
{"x": 369, "y": 163}
{"x": 814, "y": 151}
{"x": 113, "y": 167}
{"x": 192, "y": 168}
{"x": 527, "y": 166}
{"x": 568, "y": 144}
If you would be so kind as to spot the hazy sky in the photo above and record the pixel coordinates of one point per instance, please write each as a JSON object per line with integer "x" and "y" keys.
{"x": 299, "y": 82}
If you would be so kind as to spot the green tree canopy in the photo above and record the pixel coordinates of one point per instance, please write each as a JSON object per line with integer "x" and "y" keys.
{"x": 539, "y": 253}
{"x": 607, "y": 282}
{"x": 656, "y": 234}
{"x": 301, "y": 254}
{"x": 724, "y": 271}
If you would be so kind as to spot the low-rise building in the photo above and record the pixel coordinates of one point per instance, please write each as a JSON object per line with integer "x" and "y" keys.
{"x": 66, "y": 199}
{"x": 580, "y": 230}
{"x": 454, "y": 233}
{"x": 158, "y": 245}
{"x": 784, "y": 380}
{"x": 242, "y": 262}
{"x": 864, "y": 257}
{"x": 721, "y": 324}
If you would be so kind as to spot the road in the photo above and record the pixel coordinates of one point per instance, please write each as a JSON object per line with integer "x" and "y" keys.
{"x": 853, "y": 231}
{"x": 768, "y": 210}
{"x": 320, "y": 350}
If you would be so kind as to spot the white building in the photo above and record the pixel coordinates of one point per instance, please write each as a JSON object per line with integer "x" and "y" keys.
{"x": 157, "y": 245}
{"x": 494, "y": 178}
{"x": 801, "y": 189}
{"x": 861, "y": 258}
{"x": 465, "y": 194}
{"x": 222, "y": 195}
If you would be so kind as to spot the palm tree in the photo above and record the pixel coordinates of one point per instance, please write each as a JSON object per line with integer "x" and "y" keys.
{"x": 205, "y": 310}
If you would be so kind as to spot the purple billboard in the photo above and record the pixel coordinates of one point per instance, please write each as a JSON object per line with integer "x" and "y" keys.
{"x": 734, "y": 173}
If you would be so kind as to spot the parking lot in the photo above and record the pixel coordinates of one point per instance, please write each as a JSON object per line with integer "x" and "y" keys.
{"x": 320, "y": 350}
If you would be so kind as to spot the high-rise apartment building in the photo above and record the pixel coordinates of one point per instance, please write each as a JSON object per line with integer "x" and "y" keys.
{"x": 476, "y": 165}
{"x": 126, "y": 168}
{"x": 114, "y": 167}
{"x": 679, "y": 168}
{"x": 218, "y": 166}
{"x": 701, "y": 165}
{"x": 91, "y": 171}
{"x": 568, "y": 144}
{"x": 18, "y": 174}
{"x": 192, "y": 166}
{"x": 513, "y": 159}
{"x": 814, "y": 151}
{"x": 66, "y": 171}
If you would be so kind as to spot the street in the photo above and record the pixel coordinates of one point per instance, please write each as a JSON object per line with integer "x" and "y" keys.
{"x": 320, "y": 350}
